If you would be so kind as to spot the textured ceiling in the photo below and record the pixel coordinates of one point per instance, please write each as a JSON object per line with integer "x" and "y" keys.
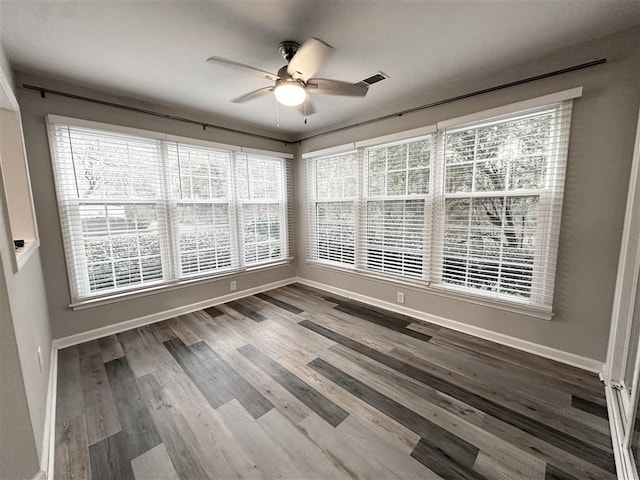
{"x": 156, "y": 51}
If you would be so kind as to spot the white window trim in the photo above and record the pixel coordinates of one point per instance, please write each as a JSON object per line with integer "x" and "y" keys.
{"x": 507, "y": 303}
{"x": 360, "y": 204}
{"x": 171, "y": 279}
{"x": 328, "y": 152}
{"x": 167, "y": 287}
{"x": 531, "y": 103}
{"x": 413, "y": 134}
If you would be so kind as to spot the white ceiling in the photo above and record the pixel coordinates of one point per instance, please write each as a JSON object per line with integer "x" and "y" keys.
{"x": 156, "y": 51}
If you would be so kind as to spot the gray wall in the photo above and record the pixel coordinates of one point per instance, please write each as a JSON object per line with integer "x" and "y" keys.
{"x": 18, "y": 455}
{"x": 24, "y": 326}
{"x": 65, "y": 321}
{"x": 18, "y": 446}
{"x": 30, "y": 325}
{"x": 602, "y": 136}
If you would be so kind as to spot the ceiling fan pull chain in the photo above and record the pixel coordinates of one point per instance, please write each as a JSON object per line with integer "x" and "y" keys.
{"x": 277, "y": 115}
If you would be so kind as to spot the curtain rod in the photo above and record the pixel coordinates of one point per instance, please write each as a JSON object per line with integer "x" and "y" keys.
{"x": 600, "y": 61}
{"x": 43, "y": 91}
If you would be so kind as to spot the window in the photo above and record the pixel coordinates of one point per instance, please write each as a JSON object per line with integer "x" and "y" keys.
{"x": 499, "y": 178}
{"x": 138, "y": 211}
{"x": 473, "y": 208}
{"x": 262, "y": 207}
{"x": 204, "y": 210}
{"x": 334, "y": 187}
{"x": 396, "y": 199}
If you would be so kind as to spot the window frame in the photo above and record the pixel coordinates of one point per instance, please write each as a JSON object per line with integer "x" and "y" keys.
{"x": 167, "y": 205}
{"x": 174, "y": 207}
{"x": 549, "y": 209}
{"x": 312, "y": 207}
{"x": 427, "y": 211}
{"x": 549, "y": 196}
{"x": 280, "y": 202}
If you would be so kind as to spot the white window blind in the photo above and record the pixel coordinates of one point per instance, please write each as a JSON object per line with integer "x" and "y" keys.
{"x": 112, "y": 210}
{"x": 396, "y": 204}
{"x": 138, "y": 212}
{"x": 333, "y": 185}
{"x": 503, "y": 186}
{"x": 472, "y": 208}
{"x": 203, "y": 193}
{"x": 261, "y": 187}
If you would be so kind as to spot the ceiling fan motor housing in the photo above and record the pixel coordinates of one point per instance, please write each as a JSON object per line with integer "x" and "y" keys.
{"x": 288, "y": 49}
{"x": 286, "y": 76}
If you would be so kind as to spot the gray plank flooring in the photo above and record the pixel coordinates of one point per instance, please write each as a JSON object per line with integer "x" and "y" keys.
{"x": 298, "y": 383}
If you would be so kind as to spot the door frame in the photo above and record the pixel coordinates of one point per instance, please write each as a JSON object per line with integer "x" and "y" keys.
{"x": 620, "y": 404}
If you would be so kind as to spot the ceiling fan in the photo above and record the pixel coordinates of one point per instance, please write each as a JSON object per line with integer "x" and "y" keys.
{"x": 294, "y": 81}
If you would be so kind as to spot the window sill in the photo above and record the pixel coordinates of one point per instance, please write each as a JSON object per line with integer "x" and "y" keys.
{"x": 23, "y": 254}
{"x": 167, "y": 287}
{"x": 443, "y": 291}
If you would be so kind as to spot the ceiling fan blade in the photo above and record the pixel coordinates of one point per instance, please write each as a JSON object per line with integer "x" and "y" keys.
{"x": 308, "y": 59}
{"x": 242, "y": 66}
{"x": 335, "y": 87}
{"x": 307, "y": 107}
{"x": 251, "y": 95}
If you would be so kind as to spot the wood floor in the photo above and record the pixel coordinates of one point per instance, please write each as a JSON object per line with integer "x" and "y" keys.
{"x": 296, "y": 383}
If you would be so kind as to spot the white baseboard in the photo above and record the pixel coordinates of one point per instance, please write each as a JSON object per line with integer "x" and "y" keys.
{"x": 567, "y": 358}
{"x": 164, "y": 315}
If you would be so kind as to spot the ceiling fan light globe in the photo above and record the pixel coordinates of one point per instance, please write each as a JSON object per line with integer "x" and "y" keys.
{"x": 290, "y": 93}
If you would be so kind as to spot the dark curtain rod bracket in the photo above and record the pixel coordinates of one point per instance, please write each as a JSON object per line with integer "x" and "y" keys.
{"x": 43, "y": 91}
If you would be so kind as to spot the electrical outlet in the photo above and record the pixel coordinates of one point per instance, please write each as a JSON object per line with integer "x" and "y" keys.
{"x": 40, "y": 358}
{"x": 400, "y": 298}
{"x": 233, "y": 285}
